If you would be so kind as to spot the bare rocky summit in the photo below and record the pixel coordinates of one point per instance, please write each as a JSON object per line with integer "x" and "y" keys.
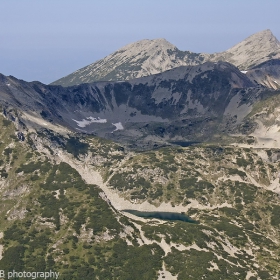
{"x": 254, "y": 50}
{"x": 147, "y": 57}
{"x": 142, "y": 58}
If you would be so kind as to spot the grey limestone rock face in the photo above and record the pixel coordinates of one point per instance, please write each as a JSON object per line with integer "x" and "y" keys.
{"x": 142, "y": 58}
{"x": 254, "y": 50}
{"x": 192, "y": 103}
{"x": 147, "y": 57}
{"x": 266, "y": 74}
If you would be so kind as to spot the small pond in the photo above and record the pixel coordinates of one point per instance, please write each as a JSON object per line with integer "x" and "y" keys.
{"x": 170, "y": 216}
{"x": 184, "y": 143}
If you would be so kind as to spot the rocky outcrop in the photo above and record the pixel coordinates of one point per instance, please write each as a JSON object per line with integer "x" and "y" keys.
{"x": 266, "y": 74}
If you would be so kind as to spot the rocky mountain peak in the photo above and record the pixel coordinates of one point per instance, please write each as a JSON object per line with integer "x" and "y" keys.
{"x": 265, "y": 37}
{"x": 254, "y": 50}
{"x": 147, "y": 57}
{"x": 148, "y": 44}
{"x": 144, "y": 51}
{"x": 264, "y": 40}
{"x": 138, "y": 59}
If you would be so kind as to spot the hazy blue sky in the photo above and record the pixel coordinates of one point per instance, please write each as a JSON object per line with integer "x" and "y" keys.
{"x": 48, "y": 39}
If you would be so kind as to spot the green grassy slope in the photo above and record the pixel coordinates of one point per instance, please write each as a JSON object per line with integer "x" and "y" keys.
{"x": 52, "y": 219}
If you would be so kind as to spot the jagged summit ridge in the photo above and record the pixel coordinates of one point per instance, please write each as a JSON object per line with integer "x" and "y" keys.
{"x": 147, "y": 57}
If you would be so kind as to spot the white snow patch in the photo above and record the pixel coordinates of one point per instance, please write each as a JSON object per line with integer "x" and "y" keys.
{"x": 89, "y": 120}
{"x": 118, "y": 126}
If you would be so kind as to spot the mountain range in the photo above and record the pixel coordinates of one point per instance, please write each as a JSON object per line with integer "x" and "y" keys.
{"x": 189, "y": 103}
{"x": 147, "y": 57}
{"x": 164, "y": 166}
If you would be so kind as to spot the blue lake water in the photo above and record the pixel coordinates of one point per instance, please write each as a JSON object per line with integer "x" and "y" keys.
{"x": 170, "y": 216}
{"x": 184, "y": 143}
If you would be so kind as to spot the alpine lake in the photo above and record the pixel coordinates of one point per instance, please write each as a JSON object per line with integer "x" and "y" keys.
{"x": 168, "y": 216}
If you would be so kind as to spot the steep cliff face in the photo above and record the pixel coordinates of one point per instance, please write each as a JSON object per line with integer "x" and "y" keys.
{"x": 187, "y": 102}
{"x": 147, "y": 57}
{"x": 266, "y": 74}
